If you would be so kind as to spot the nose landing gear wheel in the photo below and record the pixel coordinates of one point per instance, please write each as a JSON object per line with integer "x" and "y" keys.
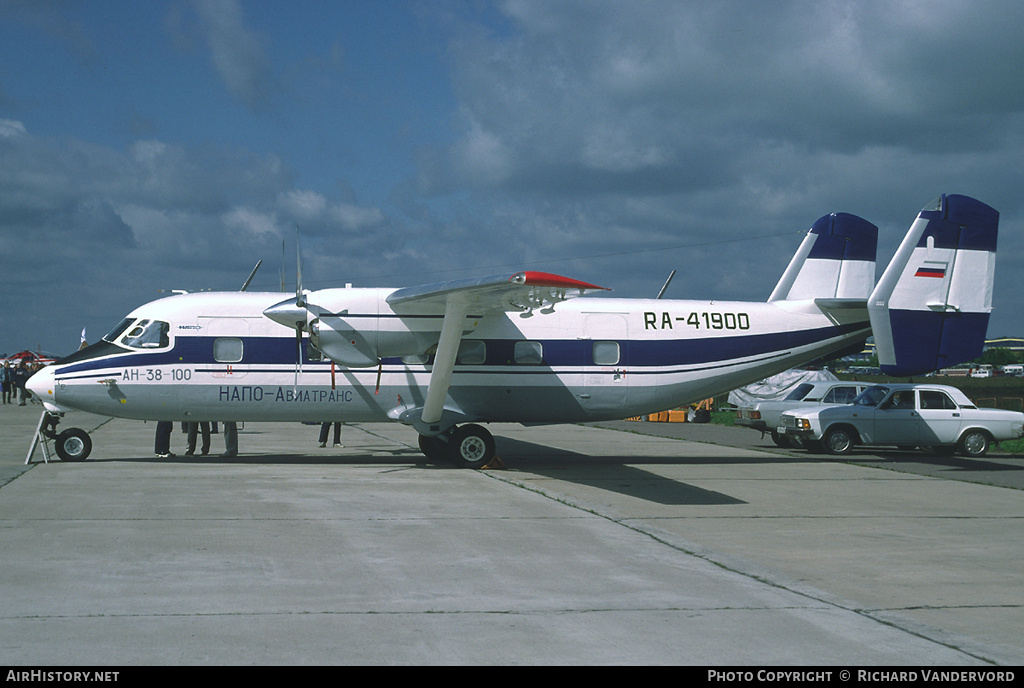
{"x": 74, "y": 444}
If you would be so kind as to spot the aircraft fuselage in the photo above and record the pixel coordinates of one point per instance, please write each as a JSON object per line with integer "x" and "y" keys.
{"x": 590, "y": 359}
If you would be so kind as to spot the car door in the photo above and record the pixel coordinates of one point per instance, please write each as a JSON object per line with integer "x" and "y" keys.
{"x": 897, "y": 419}
{"x": 940, "y": 418}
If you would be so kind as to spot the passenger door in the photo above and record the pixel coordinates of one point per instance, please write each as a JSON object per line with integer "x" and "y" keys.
{"x": 605, "y": 380}
{"x": 229, "y": 339}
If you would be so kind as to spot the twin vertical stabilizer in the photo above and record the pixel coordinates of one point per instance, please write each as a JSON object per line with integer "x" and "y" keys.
{"x": 931, "y": 307}
{"x": 835, "y": 260}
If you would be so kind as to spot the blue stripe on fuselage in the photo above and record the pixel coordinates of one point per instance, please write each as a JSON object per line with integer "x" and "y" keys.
{"x": 258, "y": 351}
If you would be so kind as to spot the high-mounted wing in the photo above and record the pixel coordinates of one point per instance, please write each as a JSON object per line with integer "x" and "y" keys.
{"x": 524, "y": 292}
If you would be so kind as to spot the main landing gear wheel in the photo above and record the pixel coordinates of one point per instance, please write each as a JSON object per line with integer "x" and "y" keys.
{"x": 434, "y": 448}
{"x": 471, "y": 446}
{"x": 74, "y": 444}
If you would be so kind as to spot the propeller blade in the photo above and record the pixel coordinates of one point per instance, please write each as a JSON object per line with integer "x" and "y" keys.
{"x": 298, "y": 355}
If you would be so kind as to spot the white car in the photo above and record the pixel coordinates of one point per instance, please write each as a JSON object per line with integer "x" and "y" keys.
{"x": 904, "y": 415}
{"x": 764, "y": 415}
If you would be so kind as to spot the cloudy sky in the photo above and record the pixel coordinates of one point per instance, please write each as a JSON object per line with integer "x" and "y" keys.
{"x": 161, "y": 145}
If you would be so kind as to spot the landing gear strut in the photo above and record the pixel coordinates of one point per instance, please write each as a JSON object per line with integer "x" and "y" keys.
{"x": 467, "y": 446}
{"x": 74, "y": 444}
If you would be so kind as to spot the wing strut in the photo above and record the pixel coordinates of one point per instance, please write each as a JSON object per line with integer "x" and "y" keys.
{"x": 455, "y": 312}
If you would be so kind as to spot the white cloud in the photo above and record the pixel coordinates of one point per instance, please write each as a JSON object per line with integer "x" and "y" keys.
{"x": 306, "y": 206}
{"x": 238, "y": 53}
{"x": 250, "y": 220}
{"x": 10, "y": 127}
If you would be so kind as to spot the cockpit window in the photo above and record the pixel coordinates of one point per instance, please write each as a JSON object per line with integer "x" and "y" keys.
{"x": 118, "y": 331}
{"x": 146, "y": 334}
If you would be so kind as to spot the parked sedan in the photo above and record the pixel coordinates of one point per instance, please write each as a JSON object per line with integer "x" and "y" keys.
{"x": 904, "y": 415}
{"x": 764, "y": 415}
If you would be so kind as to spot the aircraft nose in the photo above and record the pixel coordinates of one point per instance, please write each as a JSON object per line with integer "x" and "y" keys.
{"x": 42, "y": 385}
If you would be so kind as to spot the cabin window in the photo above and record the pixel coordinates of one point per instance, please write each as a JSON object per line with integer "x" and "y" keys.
{"x": 529, "y": 353}
{"x": 147, "y": 334}
{"x": 472, "y": 352}
{"x": 606, "y": 353}
{"x": 227, "y": 350}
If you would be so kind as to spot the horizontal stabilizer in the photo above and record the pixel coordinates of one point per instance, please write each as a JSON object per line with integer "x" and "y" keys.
{"x": 835, "y": 260}
{"x": 931, "y": 307}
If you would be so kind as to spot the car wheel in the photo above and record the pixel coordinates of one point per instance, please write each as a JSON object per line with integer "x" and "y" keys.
{"x": 974, "y": 443}
{"x": 781, "y": 440}
{"x": 837, "y": 441}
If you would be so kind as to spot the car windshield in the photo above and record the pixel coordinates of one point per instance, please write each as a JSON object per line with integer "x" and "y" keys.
{"x": 871, "y": 396}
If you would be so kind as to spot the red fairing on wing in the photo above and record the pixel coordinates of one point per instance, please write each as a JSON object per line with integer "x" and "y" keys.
{"x": 546, "y": 279}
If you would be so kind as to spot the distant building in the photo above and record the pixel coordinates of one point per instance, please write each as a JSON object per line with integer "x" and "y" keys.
{"x": 1014, "y": 344}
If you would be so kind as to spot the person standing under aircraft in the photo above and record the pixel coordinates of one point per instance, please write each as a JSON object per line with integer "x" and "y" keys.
{"x": 230, "y": 439}
{"x": 193, "y": 433}
{"x": 325, "y": 429}
{"x": 162, "y": 446}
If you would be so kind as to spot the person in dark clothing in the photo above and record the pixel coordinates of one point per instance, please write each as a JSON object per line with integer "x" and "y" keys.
{"x": 162, "y": 446}
{"x": 7, "y": 381}
{"x": 325, "y": 430}
{"x": 19, "y": 377}
{"x": 193, "y": 435}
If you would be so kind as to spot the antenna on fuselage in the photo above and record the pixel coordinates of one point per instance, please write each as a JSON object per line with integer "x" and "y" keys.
{"x": 252, "y": 274}
{"x": 665, "y": 286}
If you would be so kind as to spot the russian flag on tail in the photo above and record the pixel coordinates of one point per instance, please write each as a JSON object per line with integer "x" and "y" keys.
{"x": 931, "y": 271}
{"x": 921, "y": 325}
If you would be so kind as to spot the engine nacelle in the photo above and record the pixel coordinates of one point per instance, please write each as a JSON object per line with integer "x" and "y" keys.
{"x": 343, "y": 344}
{"x": 356, "y": 328}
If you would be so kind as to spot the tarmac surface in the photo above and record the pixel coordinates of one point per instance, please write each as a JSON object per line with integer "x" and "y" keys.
{"x": 629, "y": 543}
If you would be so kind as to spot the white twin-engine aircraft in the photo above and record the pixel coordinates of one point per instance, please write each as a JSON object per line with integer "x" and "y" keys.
{"x": 443, "y": 358}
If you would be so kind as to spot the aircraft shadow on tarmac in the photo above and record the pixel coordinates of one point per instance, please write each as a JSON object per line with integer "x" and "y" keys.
{"x": 618, "y": 474}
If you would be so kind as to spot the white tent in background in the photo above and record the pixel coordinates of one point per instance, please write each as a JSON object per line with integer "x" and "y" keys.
{"x": 776, "y": 386}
